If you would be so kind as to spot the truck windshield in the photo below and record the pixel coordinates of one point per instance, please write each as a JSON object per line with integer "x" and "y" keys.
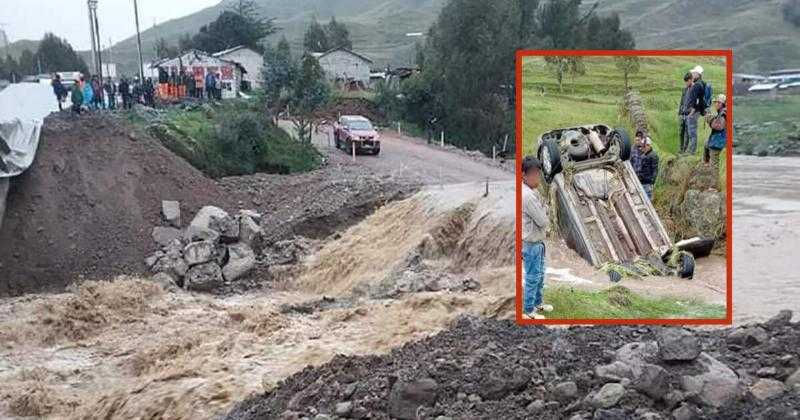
{"x": 359, "y": 125}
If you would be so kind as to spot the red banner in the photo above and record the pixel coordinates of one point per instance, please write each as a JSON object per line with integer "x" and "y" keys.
{"x": 227, "y": 73}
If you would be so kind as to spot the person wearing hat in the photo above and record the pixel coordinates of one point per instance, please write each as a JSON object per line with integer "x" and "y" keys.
{"x": 534, "y": 227}
{"x": 696, "y": 107}
{"x": 683, "y": 111}
{"x": 718, "y": 138}
{"x": 648, "y": 171}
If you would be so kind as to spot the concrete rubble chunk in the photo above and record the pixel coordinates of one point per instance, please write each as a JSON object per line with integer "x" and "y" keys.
{"x": 199, "y": 252}
{"x": 203, "y": 217}
{"x": 676, "y": 344}
{"x": 793, "y": 381}
{"x": 171, "y": 212}
{"x": 241, "y": 259}
{"x": 686, "y": 412}
{"x": 227, "y": 227}
{"x": 652, "y": 381}
{"x": 765, "y": 389}
{"x": 565, "y": 391}
{"x": 203, "y": 277}
{"x": 405, "y": 398}
{"x": 256, "y": 216}
{"x": 717, "y": 387}
{"x": 172, "y": 265}
{"x": 166, "y": 281}
{"x": 250, "y": 233}
{"x": 782, "y": 319}
{"x": 165, "y": 235}
{"x": 608, "y": 396}
{"x": 199, "y": 233}
{"x": 748, "y": 336}
{"x": 615, "y": 371}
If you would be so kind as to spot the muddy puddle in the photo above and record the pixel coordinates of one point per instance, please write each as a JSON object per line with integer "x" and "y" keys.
{"x": 766, "y": 236}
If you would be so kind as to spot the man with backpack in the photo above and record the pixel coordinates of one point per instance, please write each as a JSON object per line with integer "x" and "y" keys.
{"x": 699, "y": 96}
{"x": 718, "y": 139}
{"x": 683, "y": 112}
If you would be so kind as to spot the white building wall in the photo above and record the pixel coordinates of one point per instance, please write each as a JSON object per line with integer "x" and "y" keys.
{"x": 343, "y": 65}
{"x": 252, "y": 62}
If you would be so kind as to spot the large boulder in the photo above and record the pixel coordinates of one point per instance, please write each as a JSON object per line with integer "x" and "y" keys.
{"x": 204, "y": 277}
{"x": 171, "y": 264}
{"x": 405, "y": 398}
{"x": 717, "y": 387}
{"x": 165, "y": 235}
{"x": 765, "y": 389}
{"x": 704, "y": 213}
{"x": 676, "y": 344}
{"x": 241, "y": 259}
{"x": 608, "y": 396}
{"x": 748, "y": 336}
{"x": 652, "y": 381}
{"x": 615, "y": 371}
{"x": 171, "y": 213}
{"x": 199, "y": 252}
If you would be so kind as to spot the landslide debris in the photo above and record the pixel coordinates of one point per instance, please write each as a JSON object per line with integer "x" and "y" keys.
{"x": 486, "y": 368}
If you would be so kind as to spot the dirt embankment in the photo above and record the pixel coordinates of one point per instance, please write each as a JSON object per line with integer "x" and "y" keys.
{"x": 483, "y": 368}
{"x": 87, "y": 206}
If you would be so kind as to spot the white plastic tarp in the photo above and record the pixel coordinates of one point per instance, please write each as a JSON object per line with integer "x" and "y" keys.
{"x": 23, "y": 107}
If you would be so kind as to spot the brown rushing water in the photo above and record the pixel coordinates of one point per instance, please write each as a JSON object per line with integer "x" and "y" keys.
{"x": 766, "y": 236}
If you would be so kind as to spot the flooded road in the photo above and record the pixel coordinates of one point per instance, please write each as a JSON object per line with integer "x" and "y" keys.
{"x": 766, "y": 236}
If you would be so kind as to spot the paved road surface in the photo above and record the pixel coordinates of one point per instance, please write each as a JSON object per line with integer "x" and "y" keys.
{"x": 411, "y": 157}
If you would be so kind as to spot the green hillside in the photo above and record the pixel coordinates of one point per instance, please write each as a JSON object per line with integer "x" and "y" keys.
{"x": 16, "y": 48}
{"x": 377, "y": 27}
{"x": 755, "y": 29}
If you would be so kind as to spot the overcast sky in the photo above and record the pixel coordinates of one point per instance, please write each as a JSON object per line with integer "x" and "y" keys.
{"x": 30, "y": 19}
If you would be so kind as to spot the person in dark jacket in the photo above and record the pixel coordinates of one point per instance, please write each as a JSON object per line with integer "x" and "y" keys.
{"x": 59, "y": 90}
{"x": 683, "y": 112}
{"x": 77, "y": 98}
{"x": 718, "y": 139}
{"x": 636, "y": 150}
{"x": 111, "y": 93}
{"x": 149, "y": 91}
{"x": 125, "y": 92}
{"x": 648, "y": 172}
{"x": 696, "y": 106}
{"x": 211, "y": 86}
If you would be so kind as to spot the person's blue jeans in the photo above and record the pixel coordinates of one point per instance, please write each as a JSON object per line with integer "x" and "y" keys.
{"x": 691, "y": 125}
{"x": 533, "y": 263}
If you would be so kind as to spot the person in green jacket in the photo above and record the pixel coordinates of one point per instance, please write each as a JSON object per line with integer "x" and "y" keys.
{"x": 76, "y": 97}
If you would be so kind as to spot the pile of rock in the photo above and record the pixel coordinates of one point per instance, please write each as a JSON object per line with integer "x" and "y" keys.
{"x": 214, "y": 249}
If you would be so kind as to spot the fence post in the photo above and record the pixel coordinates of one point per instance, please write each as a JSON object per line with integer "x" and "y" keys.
{"x": 399, "y": 131}
{"x": 494, "y": 153}
{"x": 441, "y": 139}
{"x": 354, "y": 150}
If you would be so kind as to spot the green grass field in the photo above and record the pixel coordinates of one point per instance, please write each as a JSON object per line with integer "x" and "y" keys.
{"x": 596, "y": 97}
{"x": 618, "y": 302}
{"x": 763, "y": 124}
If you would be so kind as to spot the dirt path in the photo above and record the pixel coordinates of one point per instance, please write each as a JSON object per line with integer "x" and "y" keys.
{"x": 411, "y": 157}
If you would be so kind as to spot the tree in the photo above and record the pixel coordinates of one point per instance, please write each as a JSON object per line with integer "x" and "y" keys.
{"x": 27, "y": 63}
{"x": 56, "y": 54}
{"x": 309, "y": 93}
{"x": 627, "y": 64}
{"x": 232, "y": 28}
{"x": 279, "y": 69}
{"x": 164, "y": 50}
{"x": 315, "y": 38}
{"x": 561, "y": 66}
{"x": 337, "y": 34}
{"x": 185, "y": 43}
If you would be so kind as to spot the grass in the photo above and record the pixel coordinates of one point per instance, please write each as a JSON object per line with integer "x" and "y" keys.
{"x": 596, "y": 98}
{"x": 618, "y": 302}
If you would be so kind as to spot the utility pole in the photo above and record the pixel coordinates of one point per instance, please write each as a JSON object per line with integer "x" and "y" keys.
{"x": 92, "y": 33}
{"x": 138, "y": 39}
{"x": 99, "y": 45}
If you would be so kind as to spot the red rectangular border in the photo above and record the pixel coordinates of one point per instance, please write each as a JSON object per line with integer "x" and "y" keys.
{"x": 728, "y": 320}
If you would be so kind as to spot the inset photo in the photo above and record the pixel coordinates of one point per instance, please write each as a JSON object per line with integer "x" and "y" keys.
{"x": 624, "y": 187}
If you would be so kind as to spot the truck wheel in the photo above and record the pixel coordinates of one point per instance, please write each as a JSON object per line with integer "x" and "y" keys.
{"x": 620, "y": 136}
{"x": 686, "y": 266}
{"x": 550, "y": 156}
{"x": 614, "y": 276}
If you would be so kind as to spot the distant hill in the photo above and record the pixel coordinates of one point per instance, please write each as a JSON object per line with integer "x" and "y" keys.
{"x": 755, "y": 29}
{"x": 16, "y": 48}
{"x": 761, "y": 39}
{"x": 377, "y": 27}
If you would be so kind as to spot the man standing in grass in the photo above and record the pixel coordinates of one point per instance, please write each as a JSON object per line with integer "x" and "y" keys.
{"x": 683, "y": 111}
{"x": 696, "y": 107}
{"x": 648, "y": 171}
{"x": 534, "y": 225}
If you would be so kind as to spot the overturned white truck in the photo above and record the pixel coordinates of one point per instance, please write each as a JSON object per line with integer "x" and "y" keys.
{"x": 601, "y": 207}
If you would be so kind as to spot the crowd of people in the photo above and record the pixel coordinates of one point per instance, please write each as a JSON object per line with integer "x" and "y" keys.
{"x": 90, "y": 93}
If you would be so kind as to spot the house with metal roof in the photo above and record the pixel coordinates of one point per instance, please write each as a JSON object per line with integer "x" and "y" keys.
{"x": 346, "y": 68}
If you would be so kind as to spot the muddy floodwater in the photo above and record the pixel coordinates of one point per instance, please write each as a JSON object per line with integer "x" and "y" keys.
{"x": 766, "y": 236}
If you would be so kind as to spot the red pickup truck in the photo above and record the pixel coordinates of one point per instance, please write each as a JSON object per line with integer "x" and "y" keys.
{"x": 356, "y": 131}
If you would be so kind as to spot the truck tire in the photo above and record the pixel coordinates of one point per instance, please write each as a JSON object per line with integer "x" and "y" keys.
{"x": 686, "y": 266}
{"x": 620, "y": 136}
{"x": 550, "y": 156}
